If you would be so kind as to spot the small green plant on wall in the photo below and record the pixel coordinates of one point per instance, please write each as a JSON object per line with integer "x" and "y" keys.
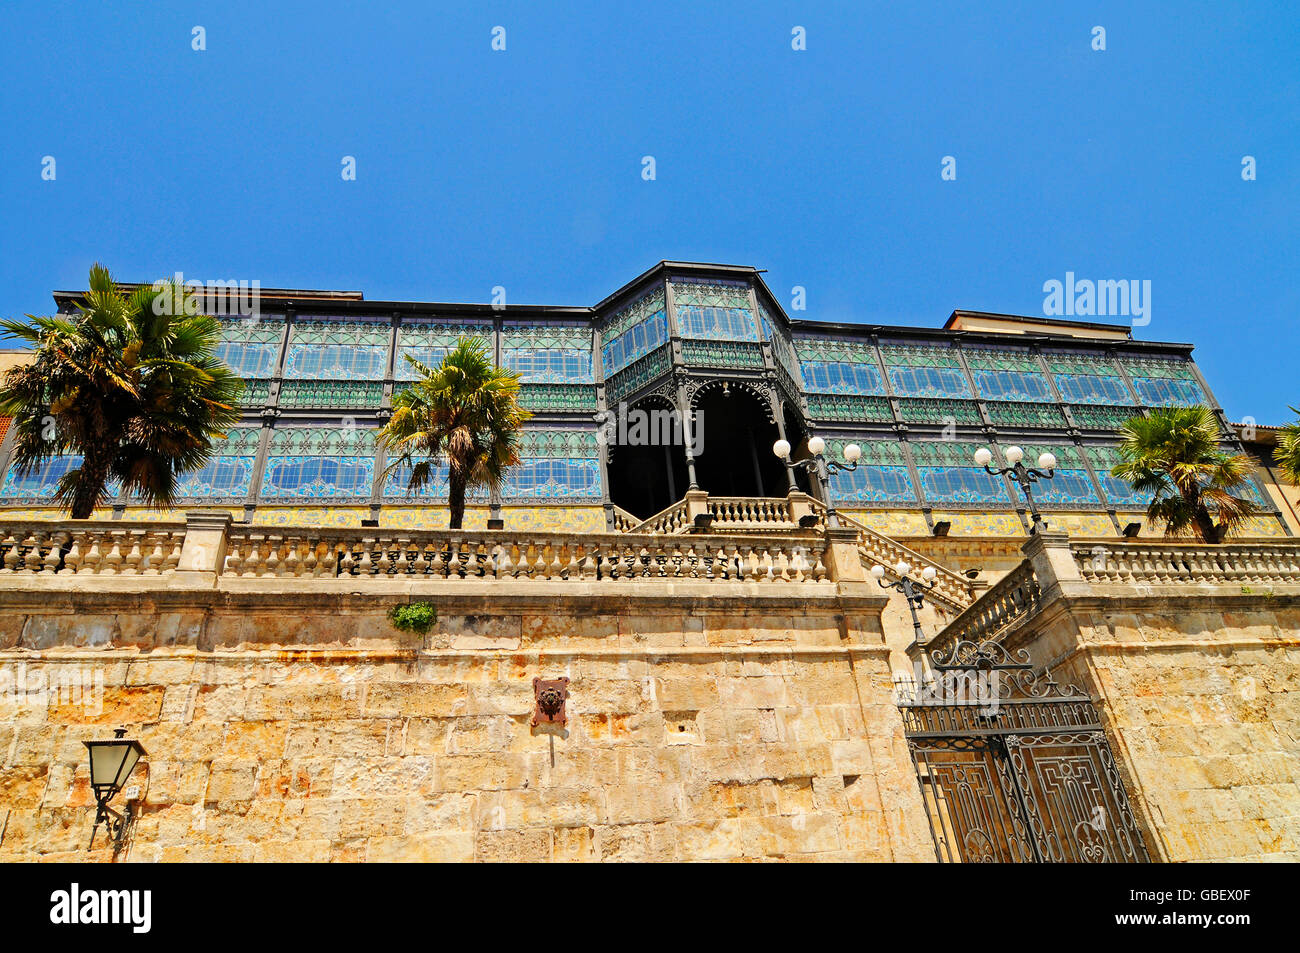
{"x": 414, "y": 617}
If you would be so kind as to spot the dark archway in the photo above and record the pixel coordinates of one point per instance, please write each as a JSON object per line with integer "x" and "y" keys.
{"x": 647, "y": 468}
{"x": 734, "y": 448}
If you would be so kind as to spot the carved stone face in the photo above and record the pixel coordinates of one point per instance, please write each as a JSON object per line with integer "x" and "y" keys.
{"x": 550, "y": 695}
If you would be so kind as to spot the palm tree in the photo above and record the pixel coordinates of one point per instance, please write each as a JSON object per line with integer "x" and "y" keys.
{"x": 466, "y": 411}
{"x": 1287, "y": 451}
{"x": 1174, "y": 455}
{"x": 131, "y": 384}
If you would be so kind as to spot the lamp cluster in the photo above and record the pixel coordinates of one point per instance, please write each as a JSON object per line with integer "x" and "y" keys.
{"x": 1025, "y": 476}
{"x": 817, "y": 465}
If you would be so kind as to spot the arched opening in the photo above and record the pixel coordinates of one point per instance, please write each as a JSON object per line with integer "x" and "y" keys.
{"x": 647, "y": 465}
{"x": 734, "y": 444}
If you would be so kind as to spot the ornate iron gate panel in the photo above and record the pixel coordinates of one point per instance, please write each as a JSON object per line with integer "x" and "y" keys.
{"x": 1022, "y": 779}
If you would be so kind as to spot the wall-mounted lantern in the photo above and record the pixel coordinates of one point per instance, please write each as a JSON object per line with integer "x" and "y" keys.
{"x": 111, "y": 763}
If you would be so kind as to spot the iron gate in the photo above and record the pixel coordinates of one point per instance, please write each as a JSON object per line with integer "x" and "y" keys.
{"x": 1026, "y": 778}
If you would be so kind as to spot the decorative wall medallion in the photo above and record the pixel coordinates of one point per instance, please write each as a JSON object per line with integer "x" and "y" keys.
{"x": 551, "y": 695}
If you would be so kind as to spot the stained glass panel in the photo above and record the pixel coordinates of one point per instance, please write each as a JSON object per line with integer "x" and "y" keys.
{"x": 1167, "y": 392}
{"x": 223, "y": 477}
{"x": 1066, "y": 488}
{"x": 549, "y": 365}
{"x": 327, "y": 349}
{"x": 249, "y": 359}
{"x": 317, "y": 477}
{"x": 320, "y": 462}
{"x": 1092, "y": 388}
{"x": 720, "y": 324}
{"x": 929, "y": 381}
{"x": 42, "y": 483}
{"x": 636, "y": 341}
{"x": 961, "y": 485}
{"x": 1012, "y": 385}
{"x": 837, "y": 377}
{"x": 429, "y": 341}
{"x": 874, "y": 484}
{"x": 533, "y": 478}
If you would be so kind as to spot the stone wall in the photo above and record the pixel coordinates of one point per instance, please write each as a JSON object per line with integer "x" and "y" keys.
{"x": 284, "y": 721}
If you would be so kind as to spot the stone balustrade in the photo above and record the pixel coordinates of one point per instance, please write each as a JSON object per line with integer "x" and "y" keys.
{"x": 93, "y": 548}
{"x": 501, "y": 554}
{"x": 1180, "y": 564}
{"x": 1016, "y": 597}
{"x": 750, "y": 512}
{"x": 210, "y": 544}
{"x": 878, "y": 549}
{"x": 674, "y": 519}
{"x": 623, "y": 520}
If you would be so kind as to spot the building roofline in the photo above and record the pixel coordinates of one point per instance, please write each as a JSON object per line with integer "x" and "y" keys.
{"x": 62, "y": 297}
{"x": 1030, "y": 319}
{"x": 350, "y": 301}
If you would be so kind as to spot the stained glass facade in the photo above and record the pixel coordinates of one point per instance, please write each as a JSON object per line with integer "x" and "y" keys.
{"x": 320, "y": 378}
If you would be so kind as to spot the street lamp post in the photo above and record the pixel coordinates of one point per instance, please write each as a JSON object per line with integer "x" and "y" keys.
{"x": 913, "y": 592}
{"x": 820, "y": 467}
{"x": 1022, "y": 474}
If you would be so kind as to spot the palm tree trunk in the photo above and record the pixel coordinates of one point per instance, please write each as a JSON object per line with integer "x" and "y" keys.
{"x": 1204, "y": 522}
{"x": 90, "y": 484}
{"x": 456, "y": 502}
{"x": 1211, "y": 532}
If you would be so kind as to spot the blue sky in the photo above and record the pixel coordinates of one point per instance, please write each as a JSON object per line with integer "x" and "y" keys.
{"x": 522, "y": 168}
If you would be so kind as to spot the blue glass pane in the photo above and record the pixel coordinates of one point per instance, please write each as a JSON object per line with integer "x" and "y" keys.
{"x": 1119, "y": 493}
{"x": 636, "y": 341}
{"x": 41, "y": 484}
{"x": 249, "y": 360}
{"x": 929, "y": 382}
{"x": 961, "y": 485}
{"x": 356, "y": 362}
{"x": 1012, "y": 385}
{"x": 399, "y": 478}
{"x": 538, "y": 478}
{"x": 869, "y": 484}
{"x": 553, "y": 478}
{"x": 1164, "y": 392}
{"x": 839, "y": 377}
{"x": 430, "y": 357}
{"x": 222, "y": 477}
{"x": 719, "y": 324}
{"x": 1092, "y": 388}
{"x": 537, "y": 365}
{"x": 294, "y": 476}
{"x": 1065, "y": 488}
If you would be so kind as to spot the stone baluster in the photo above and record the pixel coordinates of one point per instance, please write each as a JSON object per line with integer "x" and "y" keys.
{"x": 55, "y": 554}
{"x": 134, "y": 557}
{"x": 32, "y": 558}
